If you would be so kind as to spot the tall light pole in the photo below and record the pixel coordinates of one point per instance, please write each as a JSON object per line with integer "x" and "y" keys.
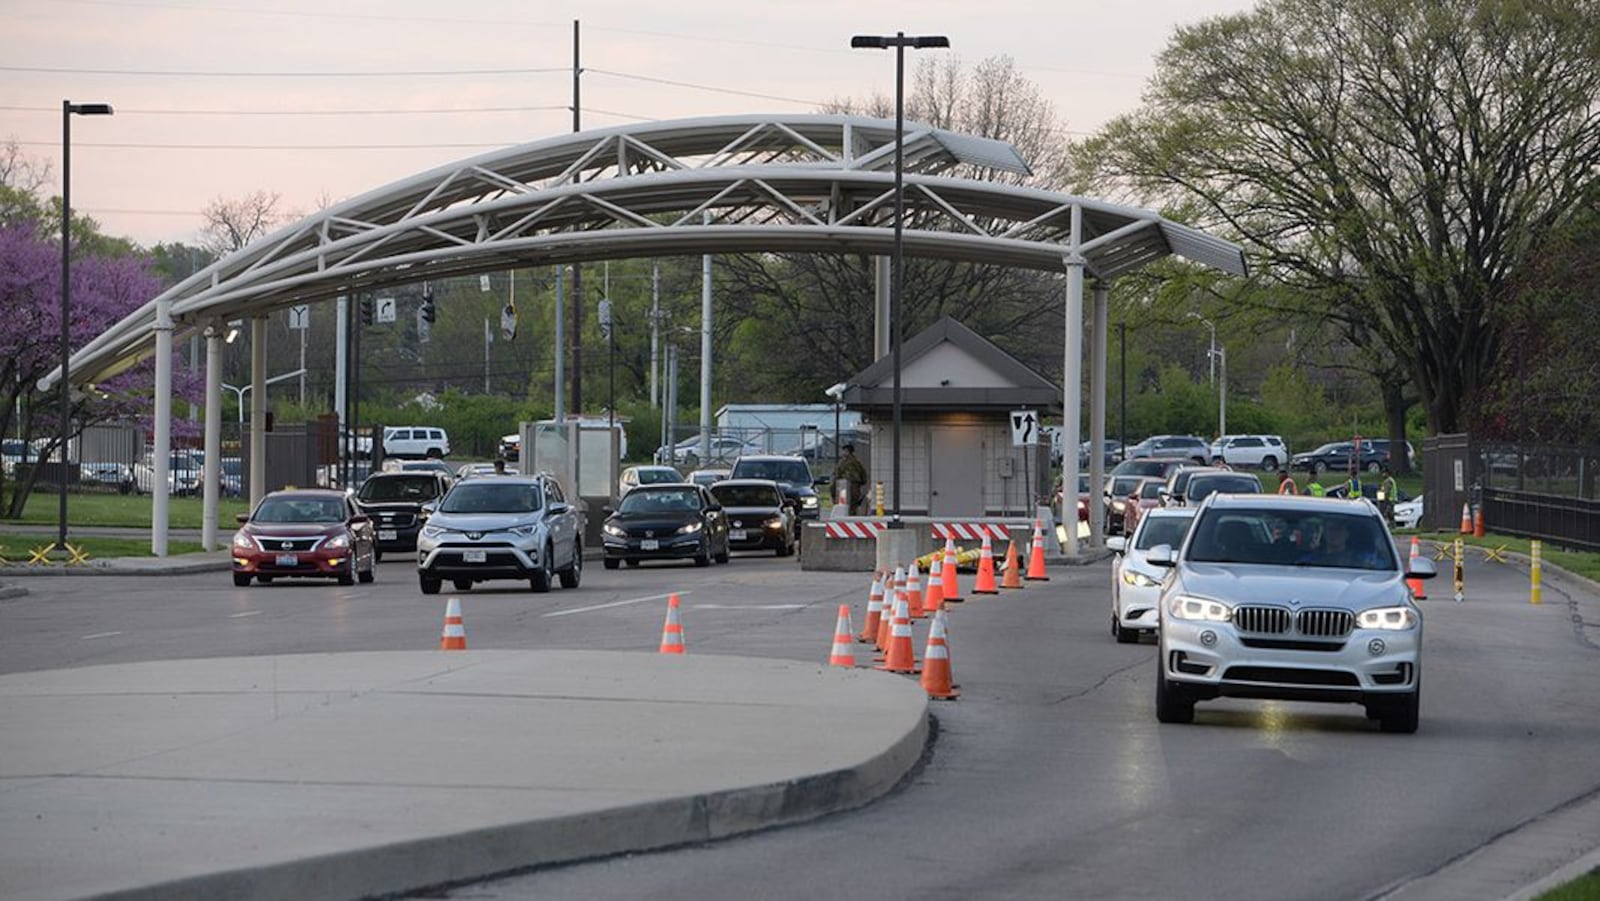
{"x": 1213, "y": 353}
{"x": 68, "y": 109}
{"x": 899, "y": 41}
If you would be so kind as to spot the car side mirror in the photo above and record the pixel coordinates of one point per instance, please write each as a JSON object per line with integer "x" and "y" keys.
{"x": 1421, "y": 568}
{"x": 819, "y": 482}
{"x": 559, "y": 508}
{"x": 608, "y": 510}
{"x": 241, "y": 518}
{"x": 1117, "y": 544}
{"x": 714, "y": 508}
{"x": 1162, "y": 555}
{"x": 430, "y": 508}
{"x": 359, "y": 519}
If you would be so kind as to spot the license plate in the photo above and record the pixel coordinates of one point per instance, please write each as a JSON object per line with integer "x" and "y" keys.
{"x": 288, "y": 560}
{"x": 649, "y": 544}
{"x": 387, "y": 534}
{"x": 736, "y": 534}
{"x": 475, "y": 556}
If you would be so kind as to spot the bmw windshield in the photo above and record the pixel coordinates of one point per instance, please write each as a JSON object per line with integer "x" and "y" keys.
{"x": 1292, "y": 538}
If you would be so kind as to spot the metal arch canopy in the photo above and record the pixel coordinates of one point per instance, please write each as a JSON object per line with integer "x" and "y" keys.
{"x": 820, "y": 183}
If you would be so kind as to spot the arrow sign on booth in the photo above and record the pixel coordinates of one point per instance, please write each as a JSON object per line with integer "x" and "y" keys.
{"x": 1024, "y": 427}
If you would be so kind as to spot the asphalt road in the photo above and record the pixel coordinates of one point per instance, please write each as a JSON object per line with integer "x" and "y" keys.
{"x": 1049, "y": 778}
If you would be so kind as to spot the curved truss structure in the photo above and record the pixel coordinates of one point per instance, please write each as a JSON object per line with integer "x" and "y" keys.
{"x": 820, "y": 184}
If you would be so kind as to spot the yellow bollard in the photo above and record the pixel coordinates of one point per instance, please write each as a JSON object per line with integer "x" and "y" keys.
{"x": 1536, "y": 549}
{"x": 878, "y": 489}
{"x": 1461, "y": 581}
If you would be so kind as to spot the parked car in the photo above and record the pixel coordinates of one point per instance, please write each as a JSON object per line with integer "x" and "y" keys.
{"x": 724, "y": 449}
{"x": 634, "y": 476}
{"x": 415, "y": 441}
{"x": 117, "y": 476}
{"x": 1187, "y": 446}
{"x": 1110, "y": 453}
{"x": 1385, "y": 450}
{"x": 1203, "y": 484}
{"x": 1408, "y": 513}
{"x": 707, "y": 477}
{"x": 1289, "y": 598}
{"x": 185, "y": 474}
{"x": 394, "y": 501}
{"x": 1336, "y": 457}
{"x": 513, "y": 527}
{"x": 1250, "y": 451}
{"x": 758, "y": 516}
{"x": 792, "y": 475}
{"x": 304, "y": 533}
{"x": 1135, "y": 584}
{"x": 666, "y": 522}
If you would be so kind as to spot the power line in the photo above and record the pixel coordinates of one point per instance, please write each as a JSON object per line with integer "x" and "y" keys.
{"x": 301, "y": 147}
{"x": 701, "y": 87}
{"x": 121, "y": 111}
{"x": 174, "y": 73}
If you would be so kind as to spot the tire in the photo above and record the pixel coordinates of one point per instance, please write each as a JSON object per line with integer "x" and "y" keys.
{"x": 429, "y": 586}
{"x": 435, "y": 454}
{"x": 634, "y": 562}
{"x": 610, "y": 562}
{"x": 377, "y": 555}
{"x": 264, "y": 580}
{"x": 366, "y": 576}
{"x": 461, "y": 584}
{"x": 572, "y": 576}
{"x": 723, "y": 557}
{"x": 1374, "y": 466}
{"x": 1318, "y": 468}
{"x": 1400, "y": 715}
{"x": 1269, "y": 463}
{"x": 241, "y": 580}
{"x": 1124, "y": 636}
{"x": 704, "y": 557}
{"x": 1173, "y": 704}
{"x": 540, "y": 582}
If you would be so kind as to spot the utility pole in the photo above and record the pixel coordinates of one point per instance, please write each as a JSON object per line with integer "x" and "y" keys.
{"x": 655, "y": 330}
{"x": 561, "y": 350}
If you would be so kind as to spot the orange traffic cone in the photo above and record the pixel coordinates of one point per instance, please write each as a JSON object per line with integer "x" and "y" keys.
{"x": 869, "y": 631}
{"x": 454, "y": 637}
{"x": 902, "y": 657}
{"x": 934, "y": 598}
{"x": 952, "y": 587}
{"x": 1477, "y": 523}
{"x": 985, "y": 582}
{"x": 1013, "y": 576}
{"x": 1036, "y": 555}
{"x": 843, "y": 646}
{"x": 914, "y": 590}
{"x": 936, "y": 674}
{"x": 1416, "y": 586}
{"x": 897, "y": 591}
{"x": 672, "y": 633}
{"x": 1466, "y": 519}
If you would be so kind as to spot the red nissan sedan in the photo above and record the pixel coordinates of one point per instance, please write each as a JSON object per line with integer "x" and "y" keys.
{"x": 304, "y": 533}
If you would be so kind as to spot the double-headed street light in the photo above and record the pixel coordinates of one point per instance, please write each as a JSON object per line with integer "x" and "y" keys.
{"x": 899, "y": 41}
{"x": 68, "y": 109}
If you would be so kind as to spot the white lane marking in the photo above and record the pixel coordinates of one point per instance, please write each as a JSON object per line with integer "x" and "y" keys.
{"x": 246, "y": 613}
{"x": 653, "y": 597}
{"x": 100, "y": 635}
{"x": 749, "y": 606}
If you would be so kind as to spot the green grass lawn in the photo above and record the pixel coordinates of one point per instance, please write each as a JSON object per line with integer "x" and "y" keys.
{"x": 1584, "y": 888}
{"x": 125, "y": 510}
{"x": 15, "y": 547}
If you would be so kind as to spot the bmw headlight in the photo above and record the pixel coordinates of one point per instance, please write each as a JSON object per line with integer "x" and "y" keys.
{"x": 338, "y": 542}
{"x": 690, "y": 528}
{"x": 1199, "y": 609}
{"x": 241, "y": 540}
{"x": 612, "y": 528}
{"x": 1138, "y": 579}
{"x": 431, "y": 531}
{"x": 1389, "y": 619}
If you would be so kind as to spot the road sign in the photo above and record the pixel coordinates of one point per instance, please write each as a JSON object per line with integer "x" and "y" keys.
{"x": 1024, "y": 427}
{"x": 300, "y": 316}
{"x": 385, "y": 309}
{"x": 483, "y": 283}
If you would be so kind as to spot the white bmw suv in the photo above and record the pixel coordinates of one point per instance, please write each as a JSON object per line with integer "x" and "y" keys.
{"x": 1290, "y": 598}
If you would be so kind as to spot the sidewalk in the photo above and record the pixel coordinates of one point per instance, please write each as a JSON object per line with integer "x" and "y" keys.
{"x": 362, "y": 774}
{"x": 176, "y": 565}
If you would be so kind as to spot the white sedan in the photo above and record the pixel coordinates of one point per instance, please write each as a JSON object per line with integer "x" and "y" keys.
{"x": 1135, "y": 584}
{"x": 1408, "y": 513}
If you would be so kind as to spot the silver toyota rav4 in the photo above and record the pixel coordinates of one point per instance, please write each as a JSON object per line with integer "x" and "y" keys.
{"x": 501, "y": 528}
{"x": 1291, "y": 598}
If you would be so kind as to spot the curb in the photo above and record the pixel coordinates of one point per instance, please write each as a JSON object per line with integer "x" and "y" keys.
{"x": 126, "y": 566}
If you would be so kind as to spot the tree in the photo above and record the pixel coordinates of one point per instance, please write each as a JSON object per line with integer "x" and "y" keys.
{"x": 1395, "y": 161}
{"x": 231, "y": 224}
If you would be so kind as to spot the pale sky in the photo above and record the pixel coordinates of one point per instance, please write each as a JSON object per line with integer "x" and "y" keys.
{"x": 316, "y": 131}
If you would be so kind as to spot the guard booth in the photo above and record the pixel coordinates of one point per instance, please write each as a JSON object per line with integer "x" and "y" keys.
{"x": 583, "y": 455}
{"x": 960, "y": 456}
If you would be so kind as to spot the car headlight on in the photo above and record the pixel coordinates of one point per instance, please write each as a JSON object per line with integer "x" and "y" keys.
{"x": 1389, "y": 619}
{"x": 1138, "y": 579}
{"x": 612, "y": 528}
{"x": 1119, "y": 506}
{"x": 809, "y": 501}
{"x": 775, "y": 522}
{"x": 241, "y": 540}
{"x": 431, "y": 531}
{"x": 690, "y": 528}
{"x": 1199, "y": 609}
{"x": 338, "y": 542}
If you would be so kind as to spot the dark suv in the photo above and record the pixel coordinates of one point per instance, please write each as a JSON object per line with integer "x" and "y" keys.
{"x": 394, "y": 501}
{"x": 792, "y": 475}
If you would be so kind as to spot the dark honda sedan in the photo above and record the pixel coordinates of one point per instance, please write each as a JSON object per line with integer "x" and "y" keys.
{"x": 306, "y": 533}
{"x": 666, "y": 522}
{"x": 758, "y": 516}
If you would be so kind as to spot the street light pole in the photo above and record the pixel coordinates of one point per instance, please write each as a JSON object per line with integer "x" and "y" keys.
{"x": 899, "y": 41}
{"x": 68, "y": 109}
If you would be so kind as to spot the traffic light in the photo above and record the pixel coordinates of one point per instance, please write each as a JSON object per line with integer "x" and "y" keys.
{"x": 428, "y": 312}
{"x": 367, "y": 310}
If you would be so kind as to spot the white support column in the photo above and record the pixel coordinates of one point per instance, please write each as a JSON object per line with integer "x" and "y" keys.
{"x": 881, "y": 277}
{"x": 162, "y": 454}
{"x": 213, "y": 440}
{"x": 1097, "y": 413}
{"x": 1071, "y": 387}
{"x": 258, "y": 409}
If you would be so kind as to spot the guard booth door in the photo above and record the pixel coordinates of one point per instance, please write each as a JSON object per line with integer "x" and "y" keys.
{"x": 955, "y": 470}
